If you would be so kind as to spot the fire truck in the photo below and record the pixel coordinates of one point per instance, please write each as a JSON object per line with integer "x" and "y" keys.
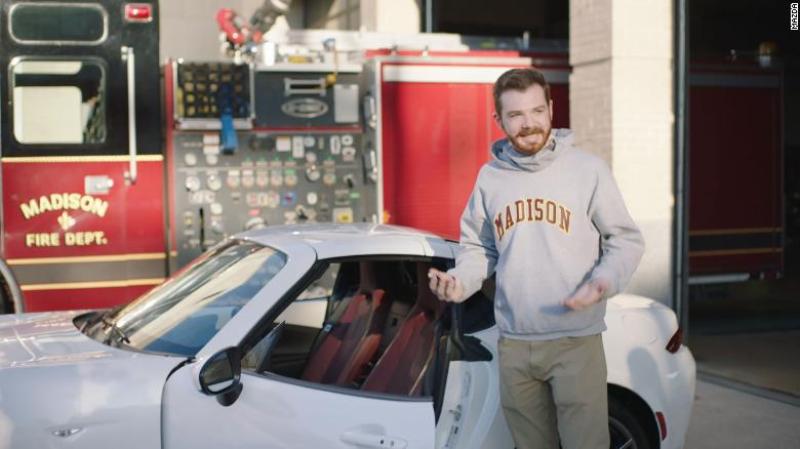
{"x": 117, "y": 170}
{"x": 736, "y": 201}
{"x": 82, "y": 160}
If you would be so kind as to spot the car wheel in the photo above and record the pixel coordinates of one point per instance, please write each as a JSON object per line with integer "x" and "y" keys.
{"x": 624, "y": 428}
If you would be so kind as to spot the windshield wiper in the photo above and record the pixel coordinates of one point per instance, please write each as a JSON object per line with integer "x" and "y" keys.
{"x": 115, "y": 329}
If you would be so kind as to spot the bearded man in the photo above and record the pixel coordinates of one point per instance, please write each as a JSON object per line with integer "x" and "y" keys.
{"x": 549, "y": 220}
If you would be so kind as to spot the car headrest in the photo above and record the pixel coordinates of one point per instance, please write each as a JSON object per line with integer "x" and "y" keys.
{"x": 366, "y": 277}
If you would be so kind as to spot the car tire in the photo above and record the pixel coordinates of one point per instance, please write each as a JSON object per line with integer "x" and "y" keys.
{"x": 624, "y": 427}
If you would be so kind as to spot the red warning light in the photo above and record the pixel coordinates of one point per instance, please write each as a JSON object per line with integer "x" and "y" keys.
{"x": 138, "y": 12}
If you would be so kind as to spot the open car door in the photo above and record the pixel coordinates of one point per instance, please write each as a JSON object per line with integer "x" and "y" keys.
{"x": 468, "y": 403}
{"x": 276, "y": 412}
{"x": 256, "y": 407}
{"x": 259, "y": 408}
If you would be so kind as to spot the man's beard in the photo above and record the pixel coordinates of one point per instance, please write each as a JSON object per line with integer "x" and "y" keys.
{"x": 529, "y": 148}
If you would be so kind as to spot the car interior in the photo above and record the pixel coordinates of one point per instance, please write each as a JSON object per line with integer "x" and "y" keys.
{"x": 371, "y": 325}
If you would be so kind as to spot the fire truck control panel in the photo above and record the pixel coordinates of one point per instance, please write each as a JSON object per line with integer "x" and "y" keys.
{"x": 301, "y": 155}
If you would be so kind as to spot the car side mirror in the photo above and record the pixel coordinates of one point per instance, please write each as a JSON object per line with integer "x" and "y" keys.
{"x": 220, "y": 376}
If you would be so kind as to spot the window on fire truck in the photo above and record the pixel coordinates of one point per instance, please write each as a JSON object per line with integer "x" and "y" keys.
{"x": 58, "y": 23}
{"x": 59, "y": 101}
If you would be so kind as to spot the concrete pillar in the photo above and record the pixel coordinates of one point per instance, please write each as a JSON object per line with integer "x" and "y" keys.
{"x": 395, "y": 16}
{"x": 621, "y": 108}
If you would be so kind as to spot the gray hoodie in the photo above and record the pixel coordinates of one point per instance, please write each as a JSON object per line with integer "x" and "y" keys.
{"x": 546, "y": 224}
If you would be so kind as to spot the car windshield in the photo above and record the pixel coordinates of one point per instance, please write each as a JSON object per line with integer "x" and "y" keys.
{"x": 181, "y": 315}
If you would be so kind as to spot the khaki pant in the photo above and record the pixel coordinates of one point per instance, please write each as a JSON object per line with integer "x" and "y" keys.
{"x": 555, "y": 385}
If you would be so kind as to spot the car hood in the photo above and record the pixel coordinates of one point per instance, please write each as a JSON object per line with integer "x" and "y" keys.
{"x": 40, "y": 339}
{"x": 60, "y": 387}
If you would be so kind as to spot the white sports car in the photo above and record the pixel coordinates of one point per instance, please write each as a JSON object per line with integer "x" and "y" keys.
{"x": 318, "y": 336}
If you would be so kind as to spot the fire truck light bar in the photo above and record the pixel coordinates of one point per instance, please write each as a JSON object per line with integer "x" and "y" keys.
{"x": 138, "y": 12}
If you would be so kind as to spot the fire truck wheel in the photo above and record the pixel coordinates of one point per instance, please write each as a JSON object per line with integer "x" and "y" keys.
{"x": 6, "y": 306}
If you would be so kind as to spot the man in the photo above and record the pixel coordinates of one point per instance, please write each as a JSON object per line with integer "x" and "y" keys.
{"x": 549, "y": 219}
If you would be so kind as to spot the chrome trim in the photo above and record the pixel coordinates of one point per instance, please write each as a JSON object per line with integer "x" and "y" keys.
{"x": 378, "y": 141}
{"x": 87, "y": 259}
{"x": 718, "y": 278}
{"x": 504, "y": 61}
{"x": 734, "y": 80}
{"x": 309, "y": 67}
{"x": 458, "y": 74}
{"x": 96, "y": 6}
{"x": 183, "y": 124}
{"x": 87, "y": 285}
{"x": 251, "y": 68}
{"x": 175, "y": 117}
{"x": 78, "y": 159}
{"x": 130, "y": 58}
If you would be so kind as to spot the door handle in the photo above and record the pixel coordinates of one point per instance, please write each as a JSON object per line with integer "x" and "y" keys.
{"x": 370, "y": 440}
{"x": 130, "y": 59}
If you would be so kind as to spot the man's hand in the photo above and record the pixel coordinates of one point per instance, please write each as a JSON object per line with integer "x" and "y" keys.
{"x": 445, "y": 287}
{"x": 590, "y": 293}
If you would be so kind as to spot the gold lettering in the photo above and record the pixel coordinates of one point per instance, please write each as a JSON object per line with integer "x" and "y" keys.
{"x": 99, "y": 207}
{"x": 44, "y": 204}
{"x": 56, "y": 201}
{"x": 564, "y": 218}
{"x": 520, "y": 210}
{"x": 85, "y": 238}
{"x": 530, "y": 209}
{"x": 551, "y": 212}
{"x": 42, "y": 239}
{"x": 74, "y": 201}
{"x": 64, "y": 201}
{"x": 509, "y": 219}
{"x": 498, "y": 225}
{"x": 86, "y": 203}
{"x": 537, "y": 207}
{"x": 30, "y": 210}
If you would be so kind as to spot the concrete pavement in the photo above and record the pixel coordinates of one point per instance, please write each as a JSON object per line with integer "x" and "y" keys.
{"x": 727, "y": 418}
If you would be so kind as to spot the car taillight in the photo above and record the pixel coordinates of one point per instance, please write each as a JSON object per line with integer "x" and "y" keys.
{"x": 662, "y": 423}
{"x": 138, "y": 12}
{"x": 675, "y": 342}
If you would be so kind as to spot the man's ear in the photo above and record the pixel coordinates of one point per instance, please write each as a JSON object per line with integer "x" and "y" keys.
{"x": 551, "y": 109}
{"x": 497, "y": 119}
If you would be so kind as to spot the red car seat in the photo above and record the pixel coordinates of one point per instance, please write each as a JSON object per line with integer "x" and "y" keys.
{"x": 352, "y": 342}
{"x": 403, "y": 365}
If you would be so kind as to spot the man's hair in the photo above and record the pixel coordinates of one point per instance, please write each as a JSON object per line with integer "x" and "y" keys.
{"x": 521, "y": 80}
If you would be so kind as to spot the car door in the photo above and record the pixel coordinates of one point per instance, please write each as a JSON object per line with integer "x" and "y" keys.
{"x": 272, "y": 412}
{"x": 276, "y": 411}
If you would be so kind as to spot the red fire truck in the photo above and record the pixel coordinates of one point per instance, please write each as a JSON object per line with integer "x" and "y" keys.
{"x": 736, "y": 204}
{"x": 82, "y": 160}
